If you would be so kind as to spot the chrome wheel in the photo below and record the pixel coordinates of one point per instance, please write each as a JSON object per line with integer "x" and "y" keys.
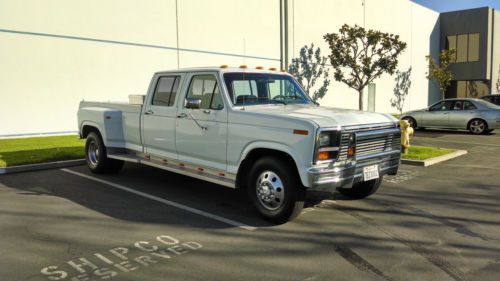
{"x": 477, "y": 127}
{"x": 93, "y": 153}
{"x": 270, "y": 190}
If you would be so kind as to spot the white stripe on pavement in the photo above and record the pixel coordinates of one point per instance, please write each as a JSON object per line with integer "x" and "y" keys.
{"x": 416, "y": 138}
{"x": 164, "y": 201}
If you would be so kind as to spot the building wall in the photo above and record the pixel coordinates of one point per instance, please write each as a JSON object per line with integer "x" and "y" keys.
{"x": 495, "y": 66}
{"x": 466, "y": 22}
{"x": 55, "y": 53}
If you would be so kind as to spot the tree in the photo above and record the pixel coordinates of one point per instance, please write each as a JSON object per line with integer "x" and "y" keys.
{"x": 308, "y": 68}
{"x": 403, "y": 84}
{"x": 359, "y": 56}
{"x": 439, "y": 71}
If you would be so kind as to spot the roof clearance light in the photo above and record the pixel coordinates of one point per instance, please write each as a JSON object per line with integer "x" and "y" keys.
{"x": 243, "y": 66}
{"x": 283, "y": 70}
{"x": 223, "y": 66}
{"x": 259, "y": 67}
{"x": 272, "y": 68}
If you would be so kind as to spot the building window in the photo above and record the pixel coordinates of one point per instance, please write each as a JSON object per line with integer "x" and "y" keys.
{"x": 465, "y": 45}
{"x": 467, "y": 89}
{"x": 473, "y": 54}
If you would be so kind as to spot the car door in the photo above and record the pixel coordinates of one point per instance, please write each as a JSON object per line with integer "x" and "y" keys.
{"x": 201, "y": 134}
{"x": 437, "y": 115}
{"x": 159, "y": 117}
{"x": 458, "y": 116}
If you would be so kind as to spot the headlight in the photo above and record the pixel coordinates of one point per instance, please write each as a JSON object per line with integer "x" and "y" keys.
{"x": 324, "y": 139}
{"x": 327, "y": 146}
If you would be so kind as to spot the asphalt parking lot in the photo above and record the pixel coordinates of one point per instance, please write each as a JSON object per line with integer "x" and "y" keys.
{"x": 436, "y": 223}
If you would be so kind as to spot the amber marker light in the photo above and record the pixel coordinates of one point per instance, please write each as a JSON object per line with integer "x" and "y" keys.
{"x": 224, "y": 66}
{"x": 243, "y": 66}
{"x": 272, "y": 68}
{"x": 323, "y": 155}
{"x": 300, "y": 132}
{"x": 259, "y": 67}
{"x": 350, "y": 151}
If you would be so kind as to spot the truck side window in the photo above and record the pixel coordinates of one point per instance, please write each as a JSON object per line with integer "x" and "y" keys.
{"x": 166, "y": 91}
{"x": 205, "y": 88}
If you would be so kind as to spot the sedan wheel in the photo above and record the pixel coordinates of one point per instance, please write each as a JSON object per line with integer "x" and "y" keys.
{"x": 411, "y": 121}
{"x": 478, "y": 127}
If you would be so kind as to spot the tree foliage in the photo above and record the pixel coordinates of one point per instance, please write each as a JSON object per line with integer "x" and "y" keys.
{"x": 308, "y": 68}
{"x": 403, "y": 84}
{"x": 359, "y": 56}
{"x": 439, "y": 71}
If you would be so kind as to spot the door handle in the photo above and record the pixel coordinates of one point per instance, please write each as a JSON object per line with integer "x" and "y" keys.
{"x": 149, "y": 112}
{"x": 182, "y": 115}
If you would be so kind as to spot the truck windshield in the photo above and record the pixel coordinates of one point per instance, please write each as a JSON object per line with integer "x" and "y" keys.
{"x": 263, "y": 88}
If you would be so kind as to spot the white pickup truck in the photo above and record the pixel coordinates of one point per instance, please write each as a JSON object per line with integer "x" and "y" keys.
{"x": 244, "y": 128}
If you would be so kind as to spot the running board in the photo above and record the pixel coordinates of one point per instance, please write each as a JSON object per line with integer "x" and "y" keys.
{"x": 198, "y": 172}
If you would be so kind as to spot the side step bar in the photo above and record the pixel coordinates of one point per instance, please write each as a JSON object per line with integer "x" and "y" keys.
{"x": 176, "y": 166}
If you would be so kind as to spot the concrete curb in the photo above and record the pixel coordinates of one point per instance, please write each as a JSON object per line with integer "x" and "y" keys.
{"x": 435, "y": 160}
{"x": 41, "y": 166}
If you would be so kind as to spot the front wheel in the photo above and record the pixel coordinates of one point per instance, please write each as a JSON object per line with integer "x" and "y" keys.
{"x": 275, "y": 190}
{"x": 411, "y": 121}
{"x": 362, "y": 189}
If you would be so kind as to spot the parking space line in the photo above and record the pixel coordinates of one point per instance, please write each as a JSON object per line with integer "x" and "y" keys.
{"x": 164, "y": 201}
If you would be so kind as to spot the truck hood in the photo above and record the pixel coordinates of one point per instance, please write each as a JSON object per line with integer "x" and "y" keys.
{"x": 324, "y": 116}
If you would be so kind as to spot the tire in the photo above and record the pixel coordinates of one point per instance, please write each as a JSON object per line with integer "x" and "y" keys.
{"x": 96, "y": 156}
{"x": 362, "y": 189}
{"x": 275, "y": 190}
{"x": 412, "y": 121}
{"x": 478, "y": 127}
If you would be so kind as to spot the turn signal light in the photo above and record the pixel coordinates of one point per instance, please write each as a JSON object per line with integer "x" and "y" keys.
{"x": 323, "y": 155}
{"x": 350, "y": 151}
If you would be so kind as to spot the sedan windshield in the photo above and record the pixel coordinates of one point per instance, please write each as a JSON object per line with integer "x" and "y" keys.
{"x": 263, "y": 88}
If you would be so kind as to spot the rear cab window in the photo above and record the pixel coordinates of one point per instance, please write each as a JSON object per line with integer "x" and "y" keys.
{"x": 166, "y": 90}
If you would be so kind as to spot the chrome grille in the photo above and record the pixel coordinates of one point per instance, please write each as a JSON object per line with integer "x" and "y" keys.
{"x": 377, "y": 145}
{"x": 368, "y": 145}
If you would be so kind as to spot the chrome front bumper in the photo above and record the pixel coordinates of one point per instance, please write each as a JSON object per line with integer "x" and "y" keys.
{"x": 327, "y": 179}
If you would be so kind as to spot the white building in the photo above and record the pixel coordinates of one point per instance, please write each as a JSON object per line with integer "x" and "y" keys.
{"x": 55, "y": 53}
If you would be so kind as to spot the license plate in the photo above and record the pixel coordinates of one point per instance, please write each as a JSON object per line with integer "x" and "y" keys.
{"x": 370, "y": 173}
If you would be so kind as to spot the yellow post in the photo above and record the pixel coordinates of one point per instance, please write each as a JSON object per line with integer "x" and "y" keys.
{"x": 406, "y": 132}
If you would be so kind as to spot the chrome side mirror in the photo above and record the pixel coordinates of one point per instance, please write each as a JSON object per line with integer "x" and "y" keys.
{"x": 192, "y": 103}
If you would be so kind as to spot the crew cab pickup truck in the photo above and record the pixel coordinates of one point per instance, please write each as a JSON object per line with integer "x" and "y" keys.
{"x": 244, "y": 128}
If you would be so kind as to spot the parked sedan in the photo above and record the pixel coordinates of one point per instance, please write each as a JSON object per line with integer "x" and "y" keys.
{"x": 492, "y": 98}
{"x": 477, "y": 116}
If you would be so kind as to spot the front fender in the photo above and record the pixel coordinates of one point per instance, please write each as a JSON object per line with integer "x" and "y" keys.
{"x": 297, "y": 158}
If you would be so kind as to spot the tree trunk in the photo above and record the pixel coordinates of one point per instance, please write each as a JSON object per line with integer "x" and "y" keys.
{"x": 360, "y": 99}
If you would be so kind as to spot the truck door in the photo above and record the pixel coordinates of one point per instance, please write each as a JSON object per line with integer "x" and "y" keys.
{"x": 201, "y": 133}
{"x": 159, "y": 117}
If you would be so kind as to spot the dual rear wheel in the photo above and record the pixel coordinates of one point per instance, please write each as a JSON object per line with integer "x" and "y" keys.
{"x": 97, "y": 158}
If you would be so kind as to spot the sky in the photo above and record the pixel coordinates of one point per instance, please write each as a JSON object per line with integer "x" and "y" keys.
{"x": 453, "y": 5}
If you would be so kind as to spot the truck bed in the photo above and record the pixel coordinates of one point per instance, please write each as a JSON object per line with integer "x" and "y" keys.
{"x": 119, "y": 123}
